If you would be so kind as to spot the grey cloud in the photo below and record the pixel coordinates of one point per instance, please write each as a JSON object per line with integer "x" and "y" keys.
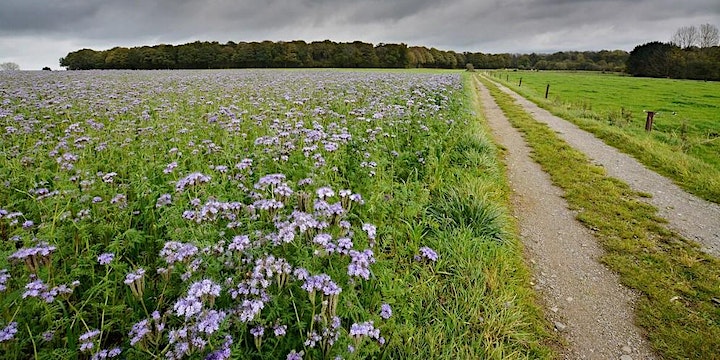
{"x": 461, "y": 25}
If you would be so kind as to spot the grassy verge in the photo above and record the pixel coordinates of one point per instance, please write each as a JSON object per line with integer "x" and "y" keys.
{"x": 681, "y": 150}
{"x": 477, "y": 301}
{"x": 677, "y": 282}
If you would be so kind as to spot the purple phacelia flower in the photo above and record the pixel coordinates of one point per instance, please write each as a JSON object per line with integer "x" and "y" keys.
{"x": 4, "y": 277}
{"x": 426, "y": 253}
{"x": 306, "y": 181}
{"x": 188, "y": 306}
{"x": 360, "y": 263}
{"x": 35, "y": 288}
{"x": 295, "y": 355}
{"x": 174, "y": 251}
{"x": 364, "y": 329}
{"x": 324, "y": 192}
{"x": 193, "y": 179}
{"x": 321, "y": 282}
{"x": 170, "y": 167}
{"x": 204, "y": 289}
{"x": 280, "y": 330}
{"x": 134, "y": 276}
{"x": 244, "y": 164}
{"x": 138, "y": 331}
{"x": 357, "y": 198}
{"x": 8, "y": 333}
{"x": 88, "y": 336}
{"x": 210, "y": 322}
{"x": 48, "y": 336}
{"x": 109, "y": 177}
{"x": 163, "y": 200}
{"x": 385, "y": 311}
{"x": 120, "y": 200}
{"x": 240, "y": 243}
{"x": 257, "y": 331}
{"x": 106, "y": 354}
{"x": 105, "y": 258}
{"x": 224, "y": 353}
{"x": 269, "y": 180}
{"x": 371, "y": 230}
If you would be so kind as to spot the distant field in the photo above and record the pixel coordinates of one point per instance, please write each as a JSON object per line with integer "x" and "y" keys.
{"x": 687, "y": 121}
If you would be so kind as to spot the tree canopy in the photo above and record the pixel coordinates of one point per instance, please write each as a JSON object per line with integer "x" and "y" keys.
{"x": 668, "y": 60}
{"x": 327, "y": 54}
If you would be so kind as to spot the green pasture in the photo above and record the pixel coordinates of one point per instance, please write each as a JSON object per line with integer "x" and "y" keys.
{"x": 685, "y": 141}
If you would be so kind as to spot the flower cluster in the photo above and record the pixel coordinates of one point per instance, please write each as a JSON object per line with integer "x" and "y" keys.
{"x": 34, "y": 257}
{"x": 426, "y": 253}
{"x": 8, "y": 332}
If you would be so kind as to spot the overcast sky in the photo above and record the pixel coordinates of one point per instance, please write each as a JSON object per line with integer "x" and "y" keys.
{"x": 36, "y": 33}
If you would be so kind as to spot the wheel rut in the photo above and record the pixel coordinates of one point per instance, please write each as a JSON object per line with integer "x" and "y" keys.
{"x": 584, "y": 299}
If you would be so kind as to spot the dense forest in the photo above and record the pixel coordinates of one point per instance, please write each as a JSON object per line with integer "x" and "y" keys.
{"x": 328, "y": 54}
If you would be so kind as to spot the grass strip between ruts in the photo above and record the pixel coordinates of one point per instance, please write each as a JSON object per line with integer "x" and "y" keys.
{"x": 678, "y": 284}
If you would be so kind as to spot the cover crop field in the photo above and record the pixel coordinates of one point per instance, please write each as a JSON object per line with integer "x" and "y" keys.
{"x": 254, "y": 214}
{"x": 685, "y": 141}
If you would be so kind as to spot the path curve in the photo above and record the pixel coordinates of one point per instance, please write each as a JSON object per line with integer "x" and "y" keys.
{"x": 584, "y": 299}
{"x": 694, "y": 218}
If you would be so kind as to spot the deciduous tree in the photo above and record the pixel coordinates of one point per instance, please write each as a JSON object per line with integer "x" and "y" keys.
{"x": 685, "y": 37}
{"x": 9, "y": 66}
{"x": 709, "y": 36}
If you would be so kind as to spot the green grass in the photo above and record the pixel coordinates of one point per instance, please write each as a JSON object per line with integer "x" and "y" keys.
{"x": 477, "y": 302}
{"x": 676, "y": 281}
{"x": 684, "y": 146}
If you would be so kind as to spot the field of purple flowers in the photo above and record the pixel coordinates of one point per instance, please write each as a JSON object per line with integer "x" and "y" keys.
{"x": 243, "y": 214}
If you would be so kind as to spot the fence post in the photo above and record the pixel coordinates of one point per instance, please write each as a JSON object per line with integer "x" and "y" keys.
{"x": 520, "y": 84}
{"x": 649, "y": 121}
{"x": 547, "y": 90}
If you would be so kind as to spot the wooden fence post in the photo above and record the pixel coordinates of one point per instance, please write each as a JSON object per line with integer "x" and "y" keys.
{"x": 649, "y": 121}
{"x": 520, "y": 84}
{"x": 547, "y": 90}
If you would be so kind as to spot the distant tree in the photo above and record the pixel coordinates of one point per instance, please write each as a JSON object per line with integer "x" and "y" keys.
{"x": 469, "y": 67}
{"x": 47, "y": 68}
{"x": 654, "y": 59}
{"x": 685, "y": 37}
{"x": 84, "y": 59}
{"x": 9, "y": 66}
{"x": 709, "y": 36}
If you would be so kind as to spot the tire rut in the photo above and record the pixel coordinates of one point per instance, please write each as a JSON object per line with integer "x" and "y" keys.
{"x": 693, "y": 218}
{"x": 583, "y": 298}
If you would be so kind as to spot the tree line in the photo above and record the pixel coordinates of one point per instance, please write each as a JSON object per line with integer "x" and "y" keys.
{"x": 328, "y": 54}
{"x": 692, "y": 53}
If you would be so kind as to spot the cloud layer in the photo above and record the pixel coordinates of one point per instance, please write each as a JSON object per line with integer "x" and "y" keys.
{"x": 35, "y": 33}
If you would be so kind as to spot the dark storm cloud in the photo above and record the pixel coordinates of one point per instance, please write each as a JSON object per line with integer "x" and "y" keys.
{"x": 29, "y": 28}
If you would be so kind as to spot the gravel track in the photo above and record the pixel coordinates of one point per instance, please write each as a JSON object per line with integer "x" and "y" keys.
{"x": 584, "y": 299}
{"x": 692, "y": 217}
